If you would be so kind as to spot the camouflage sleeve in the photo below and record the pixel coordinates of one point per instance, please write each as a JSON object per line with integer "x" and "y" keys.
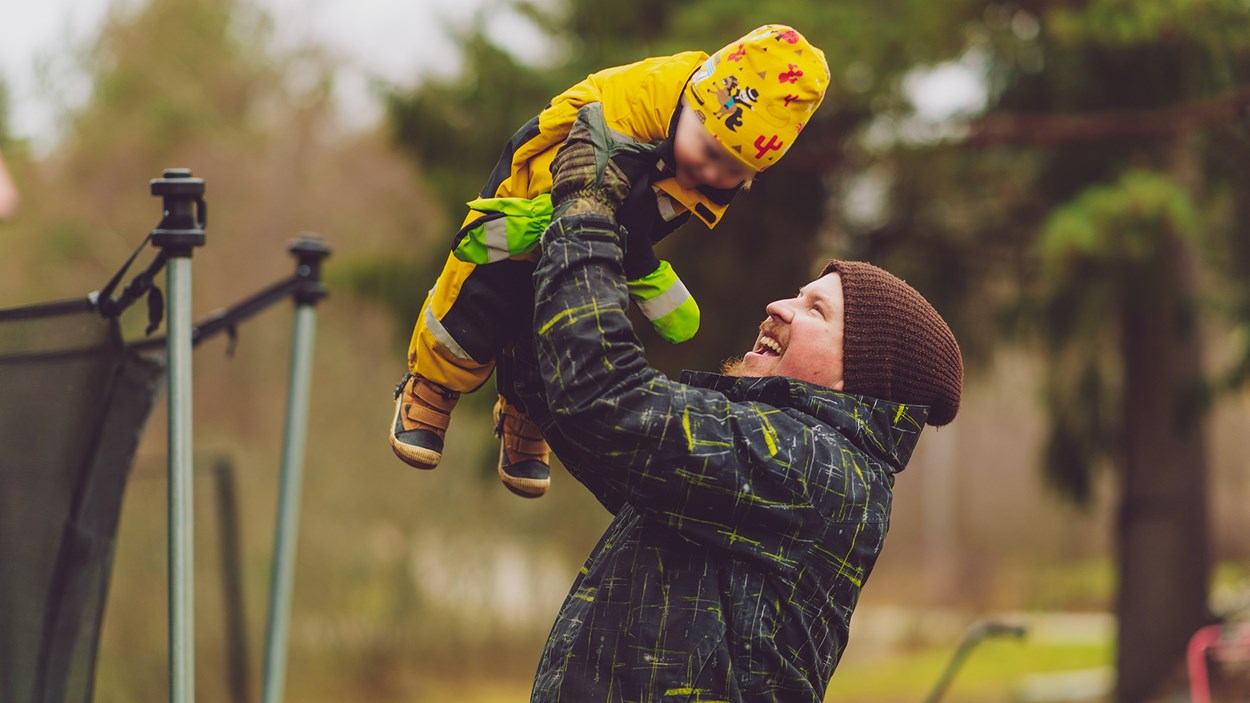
{"x": 724, "y": 473}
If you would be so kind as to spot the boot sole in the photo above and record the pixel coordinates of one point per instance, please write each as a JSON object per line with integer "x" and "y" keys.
{"x": 524, "y": 487}
{"x": 416, "y": 457}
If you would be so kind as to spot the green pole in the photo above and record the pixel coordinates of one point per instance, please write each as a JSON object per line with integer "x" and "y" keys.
{"x": 309, "y": 253}
{"x": 181, "y": 527}
{"x": 180, "y": 231}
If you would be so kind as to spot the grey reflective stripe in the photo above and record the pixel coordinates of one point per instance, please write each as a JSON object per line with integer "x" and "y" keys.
{"x": 440, "y": 333}
{"x": 665, "y": 302}
{"x": 496, "y": 235}
{"x": 664, "y": 202}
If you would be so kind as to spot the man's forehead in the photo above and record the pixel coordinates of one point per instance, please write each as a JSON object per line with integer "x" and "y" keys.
{"x": 824, "y": 287}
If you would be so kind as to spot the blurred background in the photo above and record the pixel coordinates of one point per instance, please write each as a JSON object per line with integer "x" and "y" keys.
{"x": 1068, "y": 182}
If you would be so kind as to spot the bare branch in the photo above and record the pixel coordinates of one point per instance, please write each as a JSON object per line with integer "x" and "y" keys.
{"x": 1110, "y": 125}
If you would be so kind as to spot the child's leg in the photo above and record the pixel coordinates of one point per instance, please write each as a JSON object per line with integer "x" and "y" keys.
{"x": 469, "y": 314}
{"x": 451, "y": 324}
{"x": 524, "y": 465}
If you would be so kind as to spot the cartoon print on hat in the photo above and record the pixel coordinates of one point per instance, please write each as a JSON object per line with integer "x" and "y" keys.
{"x": 787, "y": 35}
{"x": 732, "y": 100}
{"x": 755, "y": 101}
{"x": 791, "y": 76}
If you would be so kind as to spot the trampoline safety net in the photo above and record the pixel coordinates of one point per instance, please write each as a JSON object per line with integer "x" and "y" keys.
{"x": 73, "y": 402}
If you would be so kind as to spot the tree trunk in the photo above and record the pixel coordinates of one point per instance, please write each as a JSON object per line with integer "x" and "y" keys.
{"x": 1164, "y": 556}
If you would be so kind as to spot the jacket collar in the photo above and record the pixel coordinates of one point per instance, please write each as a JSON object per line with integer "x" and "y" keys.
{"x": 707, "y": 203}
{"x": 885, "y": 430}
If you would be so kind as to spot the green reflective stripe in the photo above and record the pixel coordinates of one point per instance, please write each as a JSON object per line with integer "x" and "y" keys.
{"x": 511, "y": 226}
{"x": 666, "y": 302}
{"x": 681, "y": 324}
{"x": 654, "y": 284}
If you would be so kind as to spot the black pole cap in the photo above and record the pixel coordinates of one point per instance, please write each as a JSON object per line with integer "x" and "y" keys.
{"x": 185, "y": 215}
{"x": 309, "y": 251}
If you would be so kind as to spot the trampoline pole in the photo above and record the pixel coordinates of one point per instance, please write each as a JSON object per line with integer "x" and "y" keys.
{"x": 181, "y": 526}
{"x": 180, "y": 231}
{"x": 309, "y": 252}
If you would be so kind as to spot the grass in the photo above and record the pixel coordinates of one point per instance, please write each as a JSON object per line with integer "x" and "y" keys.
{"x": 992, "y": 672}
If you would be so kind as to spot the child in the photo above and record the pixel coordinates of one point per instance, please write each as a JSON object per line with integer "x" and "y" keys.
{"x": 703, "y": 127}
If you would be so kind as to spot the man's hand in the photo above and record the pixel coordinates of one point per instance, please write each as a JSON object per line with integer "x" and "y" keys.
{"x": 585, "y": 180}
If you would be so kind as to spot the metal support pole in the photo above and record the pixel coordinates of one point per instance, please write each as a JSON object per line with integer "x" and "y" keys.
{"x": 181, "y": 527}
{"x": 309, "y": 253}
{"x": 180, "y": 231}
{"x": 980, "y": 631}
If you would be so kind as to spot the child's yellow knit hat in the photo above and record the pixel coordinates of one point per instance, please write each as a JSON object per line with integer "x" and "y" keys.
{"x": 755, "y": 95}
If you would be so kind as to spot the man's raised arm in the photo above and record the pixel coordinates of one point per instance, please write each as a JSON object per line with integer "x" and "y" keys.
{"x": 711, "y": 468}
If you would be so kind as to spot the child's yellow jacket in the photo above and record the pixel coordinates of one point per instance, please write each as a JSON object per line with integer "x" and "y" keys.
{"x": 639, "y": 105}
{"x": 639, "y": 101}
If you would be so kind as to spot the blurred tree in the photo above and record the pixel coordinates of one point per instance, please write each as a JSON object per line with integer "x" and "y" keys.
{"x": 1108, "y": 171}
{"x": 5, "y": 106}
{"x": 8, "y": 191}
{"x": 198, "y": 83}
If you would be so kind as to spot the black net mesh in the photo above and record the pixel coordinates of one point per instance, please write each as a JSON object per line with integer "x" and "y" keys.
{"x": 73, "y": 402}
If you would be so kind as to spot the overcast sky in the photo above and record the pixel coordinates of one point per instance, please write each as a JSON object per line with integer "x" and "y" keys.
{"x": 397, "y": 40}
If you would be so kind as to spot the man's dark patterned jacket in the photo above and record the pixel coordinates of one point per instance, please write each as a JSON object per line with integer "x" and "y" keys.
{"x": 749, "y": 512}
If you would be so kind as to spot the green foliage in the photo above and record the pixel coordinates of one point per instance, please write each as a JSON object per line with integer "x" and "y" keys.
{"x": 1061, "y": 237}
{"x": 155, "y": 64}
{"x": 1127, "y": 222}
{"x": 1096, "y": 252}
{"x": 393, "y": 283}
{"x": 455, "y": 128}
{"x": 1210, "y": 24}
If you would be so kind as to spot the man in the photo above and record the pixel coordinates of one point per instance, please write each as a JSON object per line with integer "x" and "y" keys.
{"x": 749, "y": 508}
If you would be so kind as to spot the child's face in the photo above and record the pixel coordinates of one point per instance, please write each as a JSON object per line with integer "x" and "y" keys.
{"x": 701, "y": 160}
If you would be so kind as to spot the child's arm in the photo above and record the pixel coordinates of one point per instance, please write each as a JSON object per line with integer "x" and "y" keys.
{"x": 659, "y": 292}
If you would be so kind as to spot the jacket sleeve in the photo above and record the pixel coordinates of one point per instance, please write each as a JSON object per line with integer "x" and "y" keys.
{"x": 728, "y": 474}
{"x": 631, "y": 106}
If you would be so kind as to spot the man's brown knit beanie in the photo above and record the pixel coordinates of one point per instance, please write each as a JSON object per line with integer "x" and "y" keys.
{"x": 895, "y": 345}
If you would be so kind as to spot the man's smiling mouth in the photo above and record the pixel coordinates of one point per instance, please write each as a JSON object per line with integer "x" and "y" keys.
{"x": 767, "y": 346}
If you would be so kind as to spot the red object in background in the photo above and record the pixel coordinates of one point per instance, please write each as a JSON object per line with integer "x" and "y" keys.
{"x": 8, "y": 193}
{"x": 1222, "y": 644}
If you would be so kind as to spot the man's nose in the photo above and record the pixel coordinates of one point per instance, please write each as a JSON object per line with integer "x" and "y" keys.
{"x": 779, "y": 310}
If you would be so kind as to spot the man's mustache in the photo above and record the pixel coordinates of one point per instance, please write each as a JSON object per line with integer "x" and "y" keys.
{"x": 776, "y": 330}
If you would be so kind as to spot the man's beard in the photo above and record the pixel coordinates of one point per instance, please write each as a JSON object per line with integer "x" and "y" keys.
{"x": 734, "y": 367}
